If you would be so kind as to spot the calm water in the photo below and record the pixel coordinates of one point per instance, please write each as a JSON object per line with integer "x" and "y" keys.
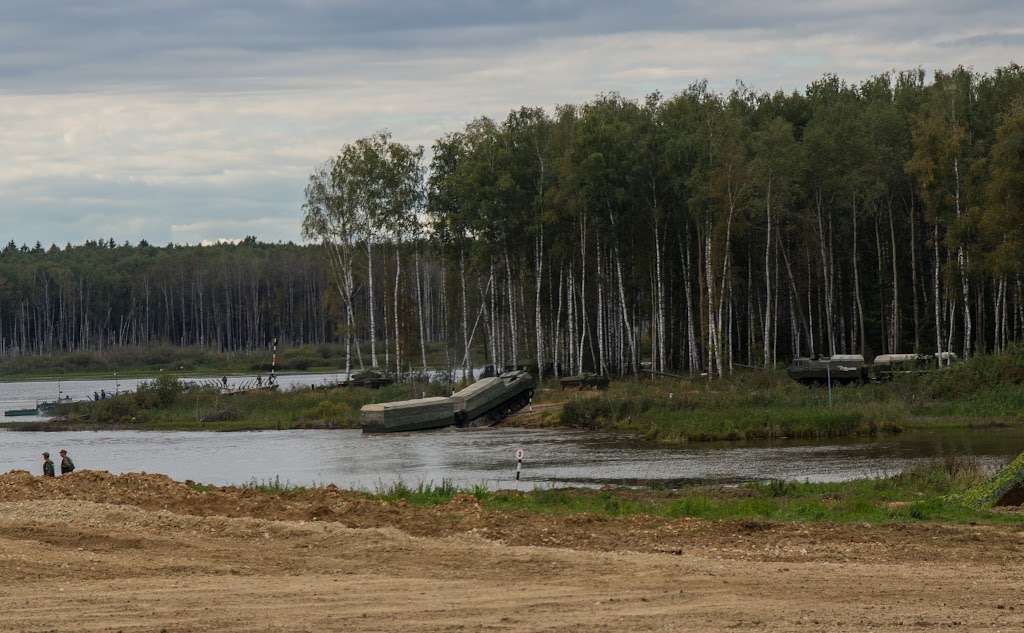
{"x": 487, "y": 457}
{"x": 481, "y": 457}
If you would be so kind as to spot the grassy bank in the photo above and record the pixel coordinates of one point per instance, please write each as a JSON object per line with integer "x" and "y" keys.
{"x": 162, "y": 404}
{"x": 748, "y": 405}
{"x": 768, "y": 405}
{"x": 916, "y": 495}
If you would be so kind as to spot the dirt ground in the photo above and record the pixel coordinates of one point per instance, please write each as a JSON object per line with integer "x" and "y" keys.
{"x": 96, "y": 552}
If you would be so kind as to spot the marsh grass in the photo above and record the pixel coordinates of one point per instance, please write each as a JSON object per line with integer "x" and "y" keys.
{"x": 208, "y": 410}
{"x": 918, "y": 494}
{"x": 751, "y": 406}
{"x": 424, "y": 494}
{"x": 913, "y": 496}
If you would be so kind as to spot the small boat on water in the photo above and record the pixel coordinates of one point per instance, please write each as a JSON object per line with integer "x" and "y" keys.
{"x": 16, "y": 412}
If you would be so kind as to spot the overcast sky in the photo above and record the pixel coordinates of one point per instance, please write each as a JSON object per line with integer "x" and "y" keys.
{"x": 196, "y": 120}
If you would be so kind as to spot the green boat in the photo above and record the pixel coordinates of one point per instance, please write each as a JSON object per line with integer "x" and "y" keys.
{"x": 16, "y": 412}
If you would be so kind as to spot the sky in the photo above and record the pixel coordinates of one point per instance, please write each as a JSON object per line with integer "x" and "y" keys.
{"x": 193, "y": 121}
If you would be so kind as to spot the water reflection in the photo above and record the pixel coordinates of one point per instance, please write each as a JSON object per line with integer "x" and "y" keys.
{"x": 487, "y": 457}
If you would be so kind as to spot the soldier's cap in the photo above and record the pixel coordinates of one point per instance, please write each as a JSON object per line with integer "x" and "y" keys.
{"x": 63, "y": 452}
{"x": 46, "y": 454}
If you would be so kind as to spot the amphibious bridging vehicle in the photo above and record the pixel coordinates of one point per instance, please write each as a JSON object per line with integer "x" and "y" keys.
{"x": 484, "y": 403}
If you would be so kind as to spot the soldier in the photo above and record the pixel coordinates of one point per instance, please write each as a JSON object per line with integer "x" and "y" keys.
{"x": 66, "y": 465}
{"x": 48, "y": 466}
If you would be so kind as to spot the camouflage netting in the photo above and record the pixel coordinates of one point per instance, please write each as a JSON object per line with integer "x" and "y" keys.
{"x": 1002, "y": 488}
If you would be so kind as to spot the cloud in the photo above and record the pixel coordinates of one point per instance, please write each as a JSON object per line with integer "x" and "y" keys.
{"x": 188, "y": 120}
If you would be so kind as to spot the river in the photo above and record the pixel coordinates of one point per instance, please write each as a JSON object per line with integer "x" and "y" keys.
{"x": 485, "y": 457}
{"x": 551, "y": 458}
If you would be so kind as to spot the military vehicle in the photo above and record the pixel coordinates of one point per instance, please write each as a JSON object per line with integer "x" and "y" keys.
{"x": 487, "y": 401}
{"x": 368, "y": 379}
{"x": 484, "y": 403}
{"x": 586, "y": 380}
{"x": 840, "y": 368}
{"x": 888, "y": 365}
{"x": 407, "y": 415}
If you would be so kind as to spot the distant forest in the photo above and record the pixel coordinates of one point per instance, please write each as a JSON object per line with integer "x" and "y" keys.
{"x": 695, "y": 232}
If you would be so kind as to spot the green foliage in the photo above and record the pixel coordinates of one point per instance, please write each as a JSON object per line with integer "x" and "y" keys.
{"x": 271, "y": 485}
{"x": 979, "y": 374}
{"x": 914, "y": 496}
{"x": 748, "y": 407}
{"x": 160, "y": 405}
{"x": 424, "y": 494}
{"x": 160, "y": 392}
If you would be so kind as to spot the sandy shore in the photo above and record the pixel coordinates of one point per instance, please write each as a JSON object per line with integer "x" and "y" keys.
{"x": 97, "y": 552}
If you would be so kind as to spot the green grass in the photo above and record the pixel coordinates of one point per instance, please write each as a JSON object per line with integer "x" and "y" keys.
{"x": 162, "y": 404}
{"x": 748, "y": 405}
{"x": 752, "y": 405}
{"x": 271, "y": 485}
{"x": 914, "y": 496}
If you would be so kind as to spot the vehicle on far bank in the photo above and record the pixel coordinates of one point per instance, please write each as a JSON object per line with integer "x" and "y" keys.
{"x": 839, "y": 369}
{"x": 851, "y": 368}
{"x": 586, "y": 380}
{"x": 888, "y": 365}
{"x": 367, "y": 379}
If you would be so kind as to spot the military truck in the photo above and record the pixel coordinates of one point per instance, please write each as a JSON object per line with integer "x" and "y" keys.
{"x": 840, "y": 368}
{"x": 487, "y": 401}
{"x": 484, "y": 403}
{"x": 888, "y": 365}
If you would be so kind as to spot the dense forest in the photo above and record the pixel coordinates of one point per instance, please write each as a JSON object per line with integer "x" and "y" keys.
{"x": 102, "y": 295}
{"x": 692, "y": 233}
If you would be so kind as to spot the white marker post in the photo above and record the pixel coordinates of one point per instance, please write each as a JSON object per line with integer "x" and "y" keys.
{"x": 519, "y": 465}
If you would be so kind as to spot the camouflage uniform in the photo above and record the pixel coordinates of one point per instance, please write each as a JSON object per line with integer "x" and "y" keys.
{"x": 66, "y": 465}
{"x": 48, "y": 466}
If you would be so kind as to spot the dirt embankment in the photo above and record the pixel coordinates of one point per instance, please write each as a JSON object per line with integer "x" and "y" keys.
{"x": 97, "y": 552}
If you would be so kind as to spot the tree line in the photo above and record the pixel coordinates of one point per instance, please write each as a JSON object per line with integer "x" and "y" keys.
{"x": 690, "y": 233}
{"x": 693, "y": 232}
{"x": 101, "y": 295}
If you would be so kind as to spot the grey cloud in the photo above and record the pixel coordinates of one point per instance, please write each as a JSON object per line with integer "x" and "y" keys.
{"x": 1005, "y": 40}
{"x": 72, "y": 210}
{"x": 82, "y": 46}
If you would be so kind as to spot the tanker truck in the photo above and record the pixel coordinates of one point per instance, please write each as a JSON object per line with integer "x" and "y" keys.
{"x": 484, "y": 403}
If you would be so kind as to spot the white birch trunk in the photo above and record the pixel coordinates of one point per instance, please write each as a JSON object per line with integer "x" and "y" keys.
{"x": 768, "y": 276}
{"x": 937, "y": 292}
{"x": 370, "y": 302}
{"x": 419, "y": 311}
{"x": 512, "y": 325}
{"x": 538, "y": 322}
{"x": 467, "y": 357}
